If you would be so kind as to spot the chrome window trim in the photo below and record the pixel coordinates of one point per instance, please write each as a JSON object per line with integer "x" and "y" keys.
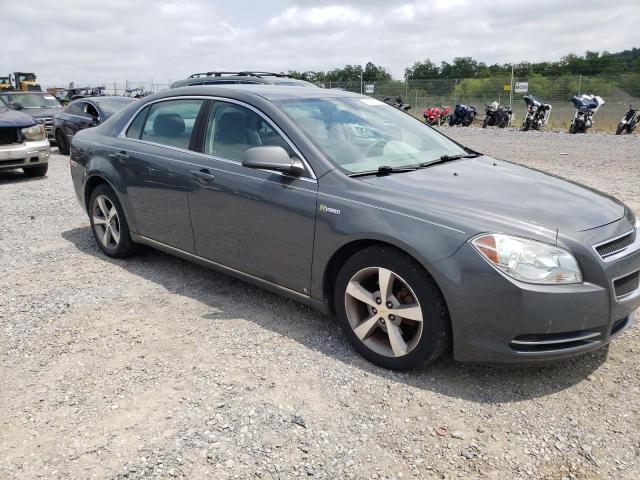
{"x": 122, "y": 135}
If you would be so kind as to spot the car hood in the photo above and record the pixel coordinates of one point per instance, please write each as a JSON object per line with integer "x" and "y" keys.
{"x": 42, "y": 112}
{"x": 486, "y": 189}
{"x": 14, "y": 118}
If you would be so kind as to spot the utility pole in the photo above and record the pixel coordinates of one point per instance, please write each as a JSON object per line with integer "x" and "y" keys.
{"x": 511, "y": 89}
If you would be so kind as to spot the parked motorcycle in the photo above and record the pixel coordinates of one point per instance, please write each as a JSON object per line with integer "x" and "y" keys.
{"x": 436, "y": 115}
{"x": 586, "y": 108}
{"x": 462, "y": 115}
{"x": 629, "y": 121}
{"x": 537, "y": 114}
{"x": 398, "y": 103}
{"x": 498, "y": 115}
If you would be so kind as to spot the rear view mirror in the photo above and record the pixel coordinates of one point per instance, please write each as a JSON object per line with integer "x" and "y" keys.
{"x": 272, "y": 158}
{"x": 16, "y": 106}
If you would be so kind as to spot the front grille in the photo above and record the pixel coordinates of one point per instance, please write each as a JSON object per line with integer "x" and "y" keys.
{"x": 47, "y": 122}
{"x": 615, "y": 246}
{"x": 9, "y": 136}
{"x": 627, "y": 285}
{"x": 544, "y": 342}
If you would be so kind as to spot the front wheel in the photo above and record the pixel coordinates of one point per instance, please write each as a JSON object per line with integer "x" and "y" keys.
{"x": 391, "y": 310}
{"x": 62, "y": 142}
{"x": 485, "y": 122}
{"x": 576, "y": 127}
{"x": 109, "y": 224}
{"x": 621, "y": 128}
{"x": 526, "y": 125}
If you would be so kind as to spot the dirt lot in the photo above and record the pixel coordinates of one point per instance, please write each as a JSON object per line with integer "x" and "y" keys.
{"x": 155, "y": 367}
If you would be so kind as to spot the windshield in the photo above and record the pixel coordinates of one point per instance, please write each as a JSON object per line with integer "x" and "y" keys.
{"x": 362, "y": 134}
{"x": 112, "y": 106}
{"x": 33, "y": 100}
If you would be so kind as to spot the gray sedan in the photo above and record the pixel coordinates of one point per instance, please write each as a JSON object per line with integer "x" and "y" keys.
{"x": 413, "y": 241}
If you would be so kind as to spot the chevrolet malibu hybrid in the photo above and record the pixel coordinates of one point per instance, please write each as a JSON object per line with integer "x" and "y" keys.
{"x": 347, "y": 204}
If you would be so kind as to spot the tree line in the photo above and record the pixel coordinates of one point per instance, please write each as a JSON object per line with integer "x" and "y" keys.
{"x": 589, "y": 64}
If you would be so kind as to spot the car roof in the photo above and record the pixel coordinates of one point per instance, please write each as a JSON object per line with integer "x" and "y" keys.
{"x": 104, "y": 98}
{"x": 268, "y": 92}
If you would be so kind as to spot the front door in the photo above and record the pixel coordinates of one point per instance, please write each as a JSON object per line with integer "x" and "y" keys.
{"x": 257, "y": 221}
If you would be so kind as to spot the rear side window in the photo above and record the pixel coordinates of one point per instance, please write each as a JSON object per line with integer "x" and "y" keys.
{"x": 171, "y": 122}
{"x": 135, "y": 129}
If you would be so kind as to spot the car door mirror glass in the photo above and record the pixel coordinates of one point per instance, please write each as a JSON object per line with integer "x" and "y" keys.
{"x": 272, "y": 157}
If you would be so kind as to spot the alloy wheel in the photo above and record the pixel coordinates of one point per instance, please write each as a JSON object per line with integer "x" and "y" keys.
{"x": 383, "y": 311}
{"x": 106, "y": 222}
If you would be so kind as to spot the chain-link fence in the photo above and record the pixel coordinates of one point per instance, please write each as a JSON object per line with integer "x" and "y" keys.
{"x": 618, "y": 92}
{"x": 118, "y": 88}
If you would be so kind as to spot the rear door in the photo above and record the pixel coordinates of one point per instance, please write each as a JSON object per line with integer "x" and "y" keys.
{"x": 154, "y": 162}
{"x": 260, "y": 222}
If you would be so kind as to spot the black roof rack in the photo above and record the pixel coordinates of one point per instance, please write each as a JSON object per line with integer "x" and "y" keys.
{"x": 245, "y": 73}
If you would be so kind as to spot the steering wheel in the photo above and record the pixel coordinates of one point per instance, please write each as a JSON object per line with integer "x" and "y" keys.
{"x": 378, "y": 144}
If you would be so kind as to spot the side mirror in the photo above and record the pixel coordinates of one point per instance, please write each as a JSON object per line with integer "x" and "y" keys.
{"x": 272, "y": 158}
{"x": 16, "y": 106}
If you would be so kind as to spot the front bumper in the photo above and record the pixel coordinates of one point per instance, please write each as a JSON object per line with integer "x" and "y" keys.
{"x": 24, "y": 154}
{"x": 496, "y": 319}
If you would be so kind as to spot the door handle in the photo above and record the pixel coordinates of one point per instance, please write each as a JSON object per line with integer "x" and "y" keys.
{"x": 121, "y": 155}
{"x": 203, "y": 175}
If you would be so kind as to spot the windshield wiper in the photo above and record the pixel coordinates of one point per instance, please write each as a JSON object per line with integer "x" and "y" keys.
{"x": 448, "y": 158}
{"x": 384, "y": 170}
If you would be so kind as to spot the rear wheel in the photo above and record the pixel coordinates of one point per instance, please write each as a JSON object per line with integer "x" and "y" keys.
{"x": 391, "y": 309}
{"x": 62, "y": 142}
{"x": 36, "y": 171}
{"x": 108, "y": 223}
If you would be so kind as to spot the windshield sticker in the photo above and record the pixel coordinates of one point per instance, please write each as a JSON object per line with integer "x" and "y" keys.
{"x": 371, "y": 101}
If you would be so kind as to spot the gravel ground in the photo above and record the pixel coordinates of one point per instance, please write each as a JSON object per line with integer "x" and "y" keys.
{"x": 155, "y": 367}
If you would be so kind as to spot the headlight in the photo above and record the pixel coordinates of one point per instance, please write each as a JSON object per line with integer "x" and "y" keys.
{"x": 33, "y": 134}
{"x": 528, "y": 260}
{"x": 534, "y": 108}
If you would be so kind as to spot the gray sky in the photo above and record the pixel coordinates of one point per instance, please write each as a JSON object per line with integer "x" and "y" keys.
{"x": 88, "y": 40}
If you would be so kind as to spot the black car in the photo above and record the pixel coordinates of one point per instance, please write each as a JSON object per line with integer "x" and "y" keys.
{"x": 349, "y": 205}
{"x": 40, "y": 105}
{"x": 84, "y": 113}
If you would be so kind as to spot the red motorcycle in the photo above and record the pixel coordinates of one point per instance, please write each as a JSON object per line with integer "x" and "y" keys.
{"x": 436, "y": 115}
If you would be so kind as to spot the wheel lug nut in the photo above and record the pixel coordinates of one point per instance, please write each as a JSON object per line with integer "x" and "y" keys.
{"x": 374, "y": 310}
{"x": 381, "y": 320}
{"x": 378, "y": 301}
{"x": 389, "y": 305}
{"x": 392, "y": 317}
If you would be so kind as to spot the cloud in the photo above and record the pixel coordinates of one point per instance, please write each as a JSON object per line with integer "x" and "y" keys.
{"x": 73, "y": 40}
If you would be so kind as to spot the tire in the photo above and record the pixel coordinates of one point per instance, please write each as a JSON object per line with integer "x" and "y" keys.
{"x": 62, "y": 142}
{"x": 419, "y": 342}
{"x": 102, "y": 203}
{"x": 36, "y": 171}
{"x": 575, "y": 127}
{"x": 621, "y": 128}
{"x": 526, "y": 125}
{"x": 451, "y": 122}
{"x": 485, "y": 122}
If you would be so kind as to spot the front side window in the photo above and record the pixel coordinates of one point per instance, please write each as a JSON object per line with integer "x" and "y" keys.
{"x": 233, "y": 129}
{"x": 76, "y": 108}
{"x": 171, "y": 122}
{"x": 362, "y": 134}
